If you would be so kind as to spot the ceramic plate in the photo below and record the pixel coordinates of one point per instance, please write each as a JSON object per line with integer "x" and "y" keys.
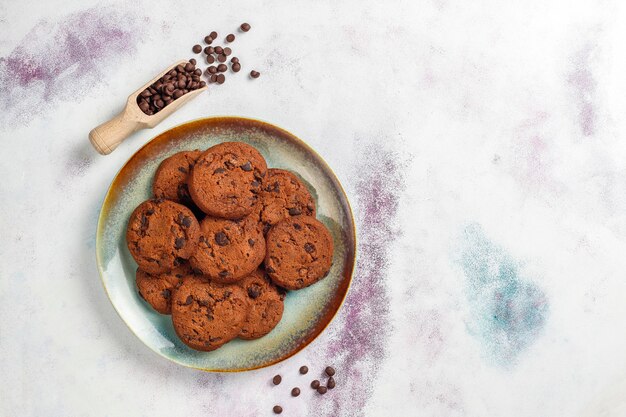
{"x": 307, "y": 311}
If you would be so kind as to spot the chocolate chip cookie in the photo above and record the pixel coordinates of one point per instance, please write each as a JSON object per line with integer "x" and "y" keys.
{"x": 207, "y": 315}
{"x": 299, "y": 252}
{"x": 170, "y": 180}
{"x": 157, "y": 290}
{"x": 226, "y": 180}
{"x": 228, "y": 250}
{"x": 265, "y": 305}
{"x": 160, "y": 233}
{"x": 283, "y": 195}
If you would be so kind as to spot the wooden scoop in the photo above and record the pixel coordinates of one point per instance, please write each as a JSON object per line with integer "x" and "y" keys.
{"x": 108, "y": 135}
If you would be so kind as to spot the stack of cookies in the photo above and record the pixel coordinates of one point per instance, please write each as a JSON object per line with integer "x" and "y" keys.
{"x": 222, "y": 241}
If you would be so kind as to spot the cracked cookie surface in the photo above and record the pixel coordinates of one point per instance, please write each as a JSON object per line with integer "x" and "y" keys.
{"x": 206, "y": 315}
{"x": 228, "y": 250}
{"x": 299, "y": 252}
{"x": 283, "y": 195}
{"x": 265, "y": 305}
{"x": 158, "y": 289}
{"x": 160, "y": 233}
{"x": 170, "y": 179}
{"x": 226, "y": 180}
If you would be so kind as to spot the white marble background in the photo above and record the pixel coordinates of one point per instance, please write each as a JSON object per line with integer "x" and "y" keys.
{"x": 498, "y": 129}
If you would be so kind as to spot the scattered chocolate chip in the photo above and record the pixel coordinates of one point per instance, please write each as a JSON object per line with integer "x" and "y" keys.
{"x": 196, "y": 49}
{"x": 213, "y": 35}
{"x": 255, "y": 74}
{"x": 186, "y": 221}
{"x": 254, "y": 291}
{"x": 219, "y": 171}
{"x": 218, "y": 50}
{"x": 309, "y": 247}
{"x": 330, "y": 371}
{"x": 183, "y": 170}
{"x": 189, "y": 300}
{"x": 221, "y": 79}
{"x": 315, "y": 384}
{"x": 212, "y": 69}
{"x": 331, "y": 383}
{"x": 297, "y": 226}
{"x": 295, "y": 392}
{"x": 166, "y": 293}
{"x": 210, "y": 59}
{"x": 221, "y": 58}
{"x": 214, "y": 78}
{"x": 236, "y": 67}
{"x": 192, "y": 61}
{"x": 179, "y": 243}
{"x": 245, "y": 27}
{"x": 208, "y": 39}
{"x": 304, "y": 370}
{"x": 222, "y": 67}
{"x": 277, "y": 379}
{"x": 251, "y": 242}
{"x": 230, "y": 37}
{"x": 234, "y": 60}
{"x": 322, "y": 390}
{"x": 277, "y": 409}
{"x": 221, "y": 239}
{"x": 227, "y": 51}
{"x": 224, "y": 273}
{"x": 255, "y": 184}
{"x": 149, "y": 212}
{"x": 294, "y": 211}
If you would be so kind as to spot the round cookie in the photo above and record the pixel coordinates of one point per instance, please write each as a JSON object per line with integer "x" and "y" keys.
{"x": 157, "y": 289}
{"x": 226, "y": 180}
{"x": 170, "y": 179}
{"x": 265, "y": 303}
{"x": 283, "y": 195}
{"x": 228, "y": 250}
{"x": 206, "y": 315}
{"x": 299, "y": 252}
{"x": 160, "y": 233}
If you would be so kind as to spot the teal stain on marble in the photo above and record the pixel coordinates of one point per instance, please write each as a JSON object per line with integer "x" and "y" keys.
{"x": 508, "y": 311}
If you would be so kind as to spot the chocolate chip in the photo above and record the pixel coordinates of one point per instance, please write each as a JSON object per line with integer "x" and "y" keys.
{"x": 309, "y": 247}
{"x": 219, "y": 50}
{"x": 210, "y": 317}
{"x": 212, "y": 69}
{"x": 179, "y": 243}
{"x": 234, "y": 60}
{"x": 277, "y": 409}
{"x": 227, "y": 51}
{"x": 330, "y": 371}
{"x": 196, "y": 49}
{"x": 247, "y": 166}
{"x": 304, "y": 370}
{"x": 245, "y": 27}
{"x": 214, "y": 339}
{"x": 219, "y": 171}
{"x": 166, "y": 294}
{"x": 210, "y": 59}
{"x": 208, "y": 39}
{"x": 331, "y": 383}
{"x": 251, "y": 242}
{"x": 277, "y": 379}
{"x": 189, "y": 300}
{"x": 189, "y": 67}
{"x": 224, "y": 273}
{"x": 187, "y": 221}
{"x": 255, "y": 184}
{"x": 315, "y": 384}
{"x": 322, "y": 390}
{"x": 214, "y": 78}
{"x": 183, "y": 170}
{"x": 254, "y": 74}
{"x": 149, "y": 212}
{"x": 192, "y": 61}
{"x": 297, "y": 226}
{"x": 221, "y": 239}
{"x": 213, "y": 35}
{"x": 236, "y": 67}
{"x": 221, "y": 58}
{"x": 222, "y": 67}
{"x": 254, "y": 291}
{"x": 230, "y": 37}
{"x": 221, "y": 79}
{"x": 295, "y": 392}
{"x": 294, "y": 211}
{"x": 197, "y": 271}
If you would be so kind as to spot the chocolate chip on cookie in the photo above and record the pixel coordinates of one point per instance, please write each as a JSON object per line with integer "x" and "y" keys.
{"x": 265, "y": 303}
{"x": 206, "y": 315}
{"x": 170, "y": 180}
{"x": 160, "y": 233}
{"x": 157, "y": 289}
{"x": 283, "y": 195}
{"x": 224, "y": 252}
{"x": 299, "y": 252}
{"x": 225, "y": 180}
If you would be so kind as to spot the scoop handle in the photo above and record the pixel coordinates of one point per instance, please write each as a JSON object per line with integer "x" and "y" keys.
{"x": 106, "y": 137}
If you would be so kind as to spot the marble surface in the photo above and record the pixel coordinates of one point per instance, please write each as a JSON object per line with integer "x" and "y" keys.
{"x": 481, "y": 146}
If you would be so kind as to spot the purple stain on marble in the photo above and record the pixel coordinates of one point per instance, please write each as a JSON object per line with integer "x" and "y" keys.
{"x": 62, "y": 60}
{"x": 360, "y": 346}
{"x": 583, "y": 83}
